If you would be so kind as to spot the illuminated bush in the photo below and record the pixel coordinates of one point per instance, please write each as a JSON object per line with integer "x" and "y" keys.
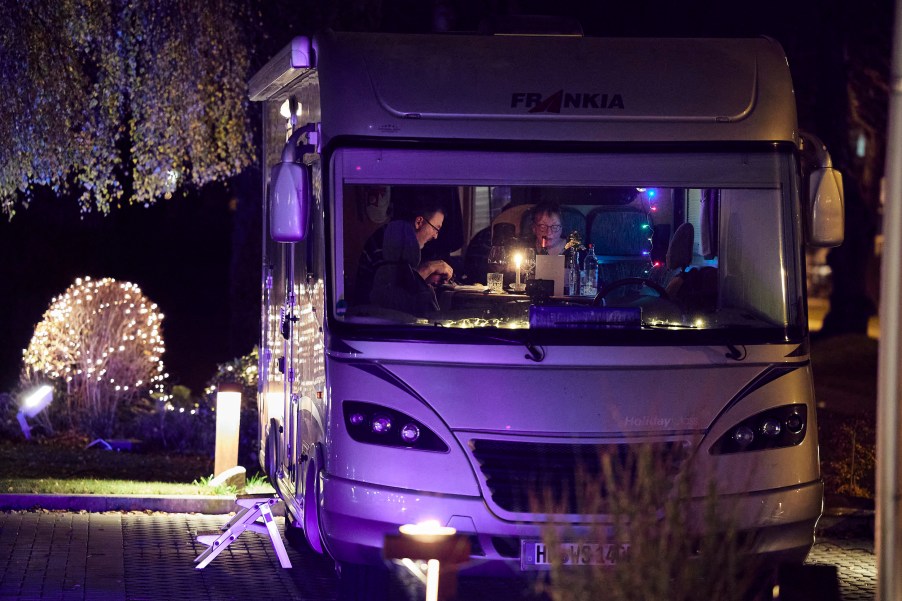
{"x": 100, "y": 341}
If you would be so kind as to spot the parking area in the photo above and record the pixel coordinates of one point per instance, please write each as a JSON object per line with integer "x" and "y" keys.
{"x": 137, "y": 556}
{"x": 855, "y": 563}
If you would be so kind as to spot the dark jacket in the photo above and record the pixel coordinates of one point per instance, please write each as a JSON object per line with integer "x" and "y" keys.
{"x": 396, "y": 283}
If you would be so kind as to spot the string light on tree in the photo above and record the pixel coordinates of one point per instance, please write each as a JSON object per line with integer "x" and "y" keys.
{"x": 102, "y": 339}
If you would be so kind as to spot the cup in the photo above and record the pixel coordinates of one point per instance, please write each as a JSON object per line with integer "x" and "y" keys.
{"x": 495, "y": 281}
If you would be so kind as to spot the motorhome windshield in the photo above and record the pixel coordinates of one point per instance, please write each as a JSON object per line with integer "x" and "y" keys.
{"x": 684, "y": 242}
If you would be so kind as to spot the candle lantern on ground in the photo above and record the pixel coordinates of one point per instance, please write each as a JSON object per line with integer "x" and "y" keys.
{"x": 435, "y": 545}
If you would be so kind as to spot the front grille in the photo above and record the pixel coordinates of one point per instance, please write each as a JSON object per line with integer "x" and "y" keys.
{"x": 553, "y": 478}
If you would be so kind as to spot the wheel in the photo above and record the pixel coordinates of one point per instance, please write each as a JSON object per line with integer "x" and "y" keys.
{"x": 302, "y": 532}
{"x": 295, "y": 535}
{"x": 608, "y": 288}
{"x": 302, "y": 553}
{"x": 311, "y": 507}
{"x": 363, "y": 582}
{"x": 271, "y": 459}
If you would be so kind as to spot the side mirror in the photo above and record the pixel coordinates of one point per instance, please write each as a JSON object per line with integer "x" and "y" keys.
{"x": 289, "y": 202}
{"x": 826, "y": 215}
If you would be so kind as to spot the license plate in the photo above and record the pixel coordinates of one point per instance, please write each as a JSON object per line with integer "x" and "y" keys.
{"x": 535, "y": 555}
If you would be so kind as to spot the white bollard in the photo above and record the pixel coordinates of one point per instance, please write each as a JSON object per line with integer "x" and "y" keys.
{"x": 228, "y": 421}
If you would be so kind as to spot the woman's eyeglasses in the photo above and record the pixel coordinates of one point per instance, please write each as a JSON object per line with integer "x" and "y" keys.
{"x": 548, "y": 228}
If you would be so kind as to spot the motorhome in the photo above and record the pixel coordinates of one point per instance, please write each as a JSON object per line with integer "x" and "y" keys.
{"x": 679, "y": 160}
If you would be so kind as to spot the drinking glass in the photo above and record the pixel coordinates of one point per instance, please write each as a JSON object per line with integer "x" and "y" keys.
{"x": 495, "y": 281}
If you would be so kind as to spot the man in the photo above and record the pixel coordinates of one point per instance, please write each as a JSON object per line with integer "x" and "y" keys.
{"x": 426, "y": 215}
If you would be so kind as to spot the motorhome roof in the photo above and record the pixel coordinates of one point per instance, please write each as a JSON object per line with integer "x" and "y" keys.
{"x": 547, "y": 88}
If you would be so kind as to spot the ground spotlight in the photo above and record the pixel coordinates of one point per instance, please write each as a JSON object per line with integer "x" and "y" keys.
{"x": 38, "y": 400}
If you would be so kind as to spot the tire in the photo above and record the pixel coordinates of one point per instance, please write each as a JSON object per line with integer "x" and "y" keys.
{"x": 311, "y": 508}
{"x": 364, "y": 583}
{"x": 295, "y": 536}
{"x": 271, "y": 459}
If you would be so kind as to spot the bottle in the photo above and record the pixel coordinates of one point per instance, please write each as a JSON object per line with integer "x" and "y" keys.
{"x": 590, "y": 269}
{"x": 572, "y": 250}
{"x": 543, "y": 250}
{"x": 573, "y": 272}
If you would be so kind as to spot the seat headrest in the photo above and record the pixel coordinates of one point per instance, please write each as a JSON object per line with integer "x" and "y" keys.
{"x": 679, "y": 251}
{"x": 620, "y": 231}
{"x": 400, "y": 245}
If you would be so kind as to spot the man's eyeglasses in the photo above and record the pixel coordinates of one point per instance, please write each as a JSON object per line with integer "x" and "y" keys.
{"x": 438, "y": 229}
{"x": 548, "y": 228}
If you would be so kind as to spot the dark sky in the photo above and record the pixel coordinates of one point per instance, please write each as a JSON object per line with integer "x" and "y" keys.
{"x": 177, "y": 251}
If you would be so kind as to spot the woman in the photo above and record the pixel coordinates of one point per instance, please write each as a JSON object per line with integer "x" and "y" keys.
{"x": 547, "y": 229}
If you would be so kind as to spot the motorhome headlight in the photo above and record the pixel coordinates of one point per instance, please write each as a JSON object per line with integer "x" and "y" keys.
{"x": 381, "y": 424}
{"x": 743, "y": 436}
{"x": 772, "y": 429}
{"x": 794, "y": 423}
{"x": 410, "y": 433}
{"x": 374, "y": 424}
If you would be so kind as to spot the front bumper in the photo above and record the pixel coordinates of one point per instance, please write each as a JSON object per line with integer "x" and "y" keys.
{"x": 355, "y": 518}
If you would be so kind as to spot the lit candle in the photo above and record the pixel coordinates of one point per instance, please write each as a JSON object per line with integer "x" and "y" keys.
{"x": 518, "y": 260}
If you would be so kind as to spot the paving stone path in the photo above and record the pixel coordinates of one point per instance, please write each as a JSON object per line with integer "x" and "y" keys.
{"x": 135, "y": 556}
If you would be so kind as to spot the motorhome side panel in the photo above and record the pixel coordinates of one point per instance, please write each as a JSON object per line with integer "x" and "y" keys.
{"x": 292, "y": 373}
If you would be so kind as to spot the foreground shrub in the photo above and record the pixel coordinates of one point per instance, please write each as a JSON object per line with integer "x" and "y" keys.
{"x": 848, "y": 454}
{"x": 652, "y": 540}
{"x": 183, "y": 422}
{"x": 176, "y": 422}
{"x": 243, "y": 371}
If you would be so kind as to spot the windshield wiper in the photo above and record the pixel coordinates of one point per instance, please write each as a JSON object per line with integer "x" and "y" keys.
{"x": 735, "y": 354}
{"x": 536, "y": 353}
